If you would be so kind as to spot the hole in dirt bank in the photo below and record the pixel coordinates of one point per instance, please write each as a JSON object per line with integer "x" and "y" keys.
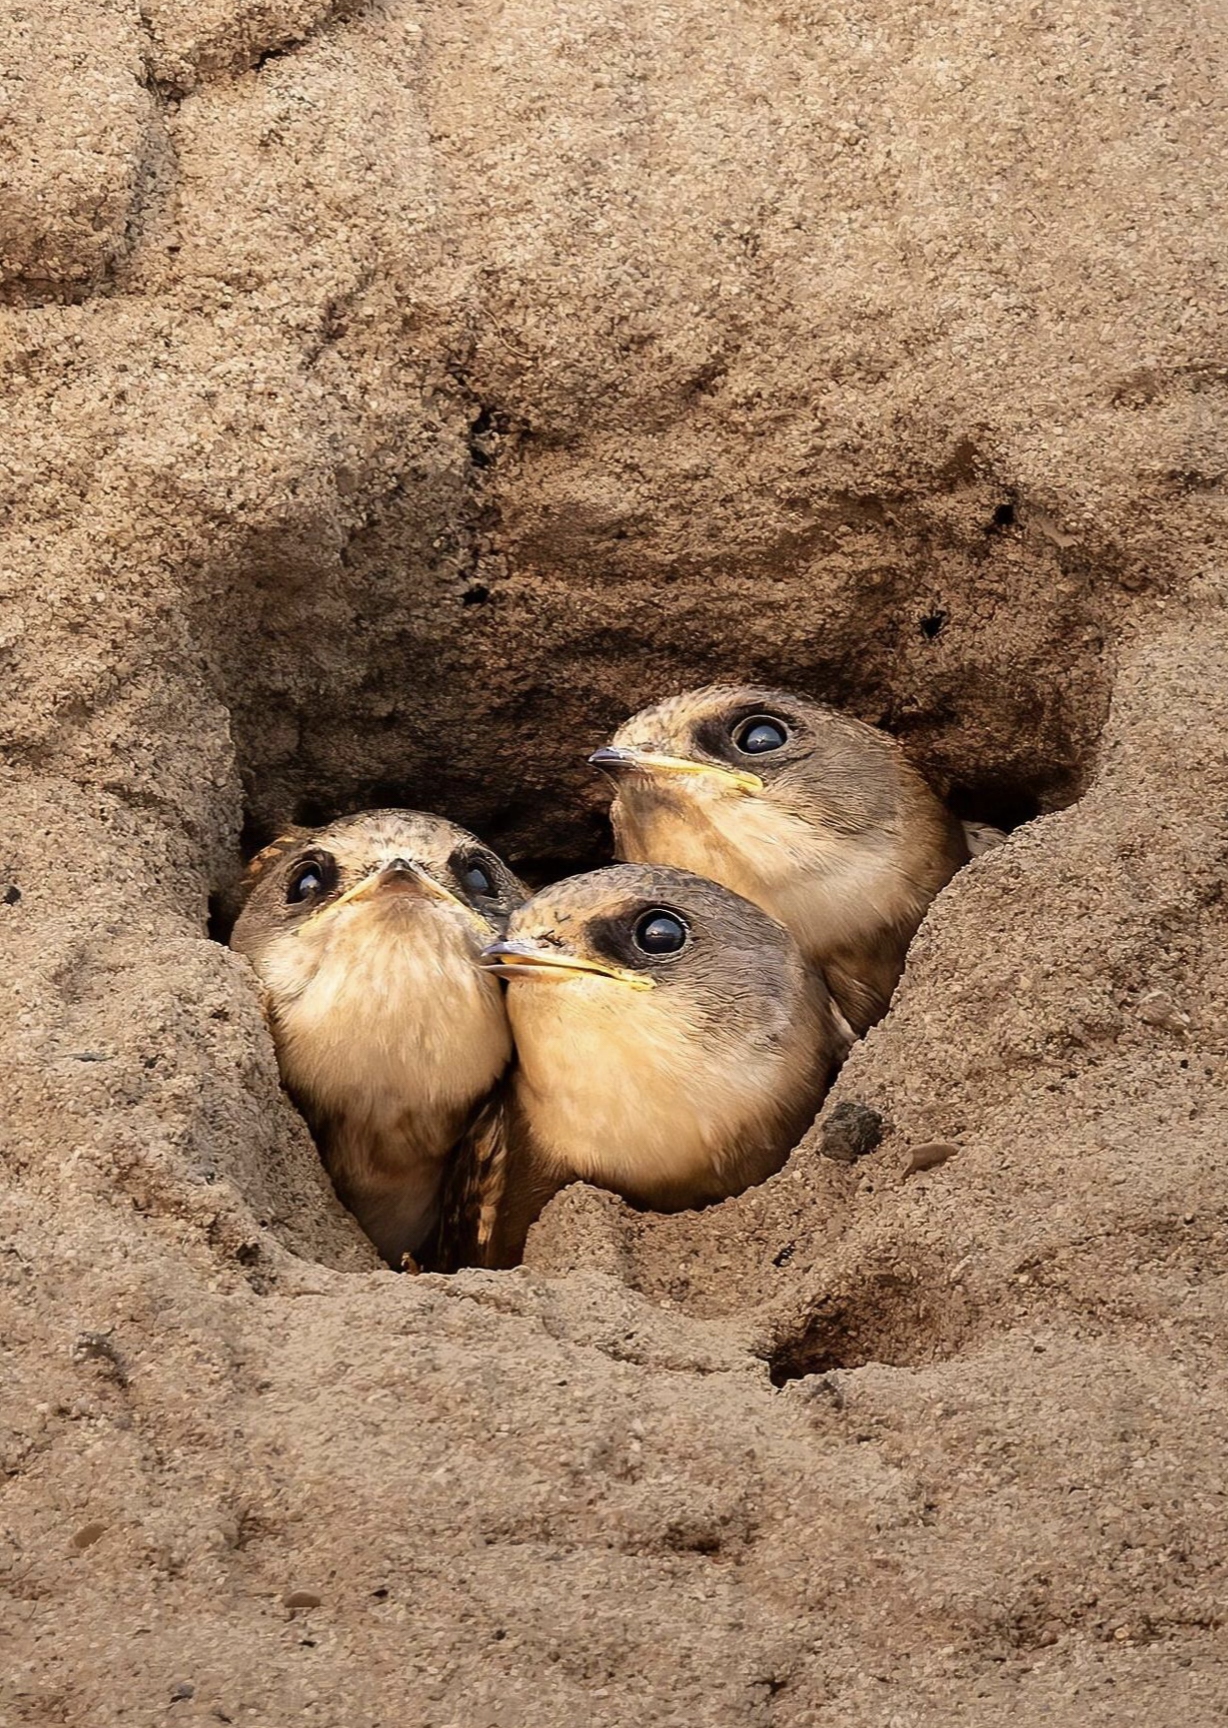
{"x": 308, "y": 812}
{"x": 458, "y": 657}
{"x": 892, "y": 1322}
{"x": 221, "y": 917}
{"x": 899, "y": 1321}
{"x": 479, "y": 685}
{"x": 457, "y": 621}
{"x": 997, "y": 803}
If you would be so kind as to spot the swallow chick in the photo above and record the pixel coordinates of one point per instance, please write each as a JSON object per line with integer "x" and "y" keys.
{"x": 365, "y": 937}
{"x": 816, "y": 817}
{"x": 671, "y": 1044}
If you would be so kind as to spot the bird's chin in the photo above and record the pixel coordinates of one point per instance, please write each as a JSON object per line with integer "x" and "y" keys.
{"x": 401, "y": 904}
{"x": 648, "y": 794}
{"x": 680, "y": 791}
{"x": 398, "y": 888}
{"x": 528, "y": 982}
{"x": 400, "y": 915}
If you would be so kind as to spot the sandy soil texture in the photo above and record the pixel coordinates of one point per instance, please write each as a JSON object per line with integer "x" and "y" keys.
{"x": 394, "y": 397}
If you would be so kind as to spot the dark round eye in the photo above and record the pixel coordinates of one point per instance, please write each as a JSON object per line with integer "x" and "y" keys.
{"x": 477, "y": 878}
{"x": 306, "y": 881}
{"x": 760, "y": 734}
{"x": 660, "y": 933}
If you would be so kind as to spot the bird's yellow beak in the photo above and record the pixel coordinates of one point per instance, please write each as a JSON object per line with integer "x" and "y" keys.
{"x": 619, "y": 759}
{"x": 401, "y": 876}
{"x": 520, "y": 960}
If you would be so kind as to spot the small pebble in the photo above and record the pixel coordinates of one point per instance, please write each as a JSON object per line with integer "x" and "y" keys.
{"x": 88, "y": 1535}
{"x": 11, "y": 895}
{"x": 301, "y": 1599}
{"x": 929, "y": 1155}
{"x": 1158, "y": 1009}
{"x": 850, "y": 1132}
{"x": 181, "y": 1692}
{"x": 95, "y": 1347}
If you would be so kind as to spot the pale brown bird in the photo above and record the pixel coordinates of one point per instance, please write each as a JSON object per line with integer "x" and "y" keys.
{"x": 365, "y": 936}
{"x": 671, "y": 1044}
{"x": 817, "y": 817}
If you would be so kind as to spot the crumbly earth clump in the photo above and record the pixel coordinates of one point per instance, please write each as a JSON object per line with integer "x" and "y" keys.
{"x": 395, "y": 397}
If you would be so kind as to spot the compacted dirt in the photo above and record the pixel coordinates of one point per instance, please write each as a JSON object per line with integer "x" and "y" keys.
{"x": 394, "y": 397}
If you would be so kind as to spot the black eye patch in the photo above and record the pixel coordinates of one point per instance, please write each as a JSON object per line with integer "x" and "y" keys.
{"x": 311, "y": 878}
{"x": 477, "y": 874}
{"x": 638, "y": 936}
{"x": 738, "y": 732}
{"x": 477, "y": 879}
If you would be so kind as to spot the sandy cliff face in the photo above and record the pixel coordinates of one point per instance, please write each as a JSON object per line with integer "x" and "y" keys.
{"x": 394, "y": 397}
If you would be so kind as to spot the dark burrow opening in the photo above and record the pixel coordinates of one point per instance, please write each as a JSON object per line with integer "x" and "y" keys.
{"x": 892, "y": 1321}
{"x": 474, "y": 677}
{"x": 999, "y": 803}
{"x": 900, "y": 1321}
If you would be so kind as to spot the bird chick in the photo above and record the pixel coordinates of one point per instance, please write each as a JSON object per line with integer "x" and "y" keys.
{"x": 817, "y": 817}
{"x": 671, "y": 1045}
{"x": 365, "y": 937}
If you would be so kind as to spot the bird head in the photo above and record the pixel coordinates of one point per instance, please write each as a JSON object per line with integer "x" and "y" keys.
{"x": 641, "y": 948}
{"x": 731, "y": 749}
{"x": 385, "y": 870}
{"x": 671, "y": 1041}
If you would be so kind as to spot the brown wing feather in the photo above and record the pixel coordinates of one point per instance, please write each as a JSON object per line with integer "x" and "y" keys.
{"x": 473, "y": 1190}
{"x": 495, "y": 1188}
